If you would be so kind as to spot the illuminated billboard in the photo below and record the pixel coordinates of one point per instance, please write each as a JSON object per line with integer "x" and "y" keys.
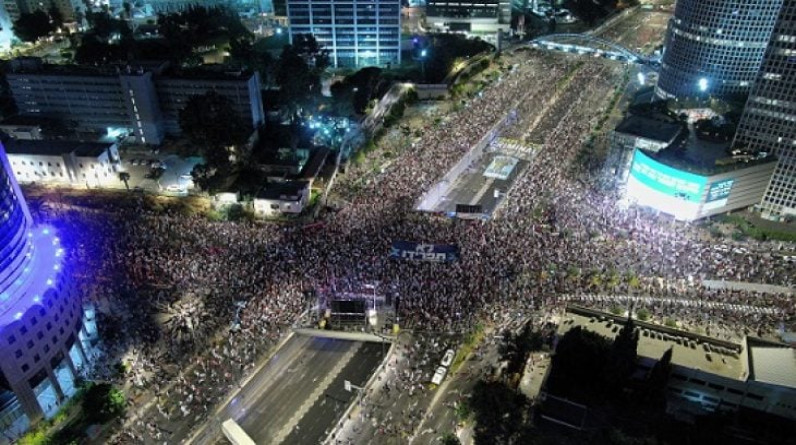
{"x": 654, "y": 184}
{"x": 719, "y": 190}
{"x": 667, "y": 180}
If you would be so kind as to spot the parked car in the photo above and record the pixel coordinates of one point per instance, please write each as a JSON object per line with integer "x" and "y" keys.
{"x": 439, "y": 375}
{"x": 447, "y": 359}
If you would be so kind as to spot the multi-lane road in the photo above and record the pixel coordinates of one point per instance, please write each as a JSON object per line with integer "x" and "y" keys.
{"x": 299, "y": 394}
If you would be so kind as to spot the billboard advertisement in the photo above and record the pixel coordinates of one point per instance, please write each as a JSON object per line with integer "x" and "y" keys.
{"x": 667, "y": 180}
{"x": 657, "y": 185}
{"x": 719, "y": 190}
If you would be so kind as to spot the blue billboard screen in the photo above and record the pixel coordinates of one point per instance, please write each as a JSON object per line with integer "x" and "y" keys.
{"x": 667, "y": 180}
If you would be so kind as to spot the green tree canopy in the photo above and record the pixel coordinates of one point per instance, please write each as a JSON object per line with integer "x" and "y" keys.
{"x": 299, "y": 72}
{"x": 31, "y": 27}
{"x": 622, "y": 357}
{"x": 103, "y": 402}
{"x": 210, "y": 122}
{"x": 56, "y": 16}
{"x": 498, "y": 412}
{"x": 353, "y": 93}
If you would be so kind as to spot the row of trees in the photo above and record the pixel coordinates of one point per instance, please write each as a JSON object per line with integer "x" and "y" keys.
{"x": 30, "y": 27}
{"x": 111, "y": 39}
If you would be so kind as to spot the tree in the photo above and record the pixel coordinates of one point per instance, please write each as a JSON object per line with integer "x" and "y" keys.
{"x": 577, "y": 366}
{"x": 128, "y": 10}
{"x": 103, "y": 402}
{"x": 299, "y": 72}
{"x": 124, "y": 177}
{"x": 202, "y": 176}
{"x": 450, "y": 439}
{"x": 354, "y": 93}
{"x": 622, "y": 357}
{"x": 31, "y": 27}
{"x": 658, "y": 379}
{"x": 342, "y": 99}
{"x": 210, "y": 122}
{"x": 498, "y": 412}
{"x": 56, "y": 16}
{"x": 446, "y": 50}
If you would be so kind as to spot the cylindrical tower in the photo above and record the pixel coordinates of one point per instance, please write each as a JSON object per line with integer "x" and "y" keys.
{"x": 715, "y": 47}
{"x": 45, "y": 336}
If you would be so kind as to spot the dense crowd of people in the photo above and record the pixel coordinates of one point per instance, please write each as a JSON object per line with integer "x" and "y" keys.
{"x": 179, "y": 283}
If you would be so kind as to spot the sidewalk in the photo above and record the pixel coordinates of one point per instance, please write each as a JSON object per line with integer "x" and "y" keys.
{"x": 347, "y": 429}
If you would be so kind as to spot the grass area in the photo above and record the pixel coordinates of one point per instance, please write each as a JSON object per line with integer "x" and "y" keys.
{"x": 745, "y": 228}
{"x": 471, "y": 342}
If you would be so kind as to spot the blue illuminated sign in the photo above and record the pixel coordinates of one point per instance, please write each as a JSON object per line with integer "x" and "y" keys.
{"x": 719, "y": 190}
{"x": 667, "y": 180}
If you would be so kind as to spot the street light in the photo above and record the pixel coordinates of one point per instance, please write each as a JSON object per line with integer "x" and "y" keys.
{"x": 703, "y": 84}
{"x": 422, "y": 59}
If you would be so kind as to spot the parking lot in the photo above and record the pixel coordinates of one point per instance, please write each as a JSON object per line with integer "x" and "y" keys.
{"x": 174, "y": 178}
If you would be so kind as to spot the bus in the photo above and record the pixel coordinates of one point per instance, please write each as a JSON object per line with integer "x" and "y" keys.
{"x": 235, "y": 434}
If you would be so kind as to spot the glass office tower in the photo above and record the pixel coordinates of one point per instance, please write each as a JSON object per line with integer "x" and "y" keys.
{"x": 357, "y": 33}
{"x": 715, "y": 47}
{"x": 45, "y": 335}
{"x": 769, "y": 119}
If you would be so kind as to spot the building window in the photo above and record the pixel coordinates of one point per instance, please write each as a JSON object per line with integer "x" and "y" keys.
{"x": 23, "y": 330}
{"x": 25, "y": 367}
{"x": 18, "y": 353}
{"x": 11, "y": 339}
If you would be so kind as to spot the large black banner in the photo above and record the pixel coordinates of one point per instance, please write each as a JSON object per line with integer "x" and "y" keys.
{"x": 424, "y": 252}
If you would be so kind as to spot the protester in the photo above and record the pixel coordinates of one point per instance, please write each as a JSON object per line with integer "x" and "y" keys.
{"x": 554, "y": 240}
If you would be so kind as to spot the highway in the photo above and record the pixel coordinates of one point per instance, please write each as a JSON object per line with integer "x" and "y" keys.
{"x": 273, "y": 404}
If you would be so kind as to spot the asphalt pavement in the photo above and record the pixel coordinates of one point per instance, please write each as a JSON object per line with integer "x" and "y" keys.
{"x": 440, "y": 418}
{"x": 329, "y": 406}
{"x": 287, "y": 401}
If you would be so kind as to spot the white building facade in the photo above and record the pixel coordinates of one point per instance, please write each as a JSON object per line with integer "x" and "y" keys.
{"x": 282, "y": 199}
{"x": 95, "y": 165}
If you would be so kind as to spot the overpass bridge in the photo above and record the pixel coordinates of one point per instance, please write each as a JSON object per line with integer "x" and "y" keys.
{"x": 593, "y": 45}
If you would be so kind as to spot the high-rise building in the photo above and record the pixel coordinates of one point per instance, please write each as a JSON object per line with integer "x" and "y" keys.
{"x": 715, "y": 47}
{"x": 45, "y": 333}
{"x": 768, "y": 123}
{"x": 66, "y": 7}
{"x": 144, "y": 100}
{"x": 483, "y": 18}
{"x": 356, "y": 33}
